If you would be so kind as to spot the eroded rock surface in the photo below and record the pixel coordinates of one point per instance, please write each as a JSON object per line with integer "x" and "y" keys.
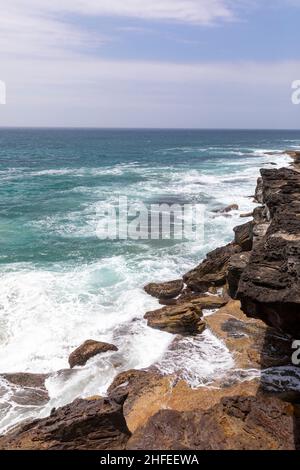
{"x": 96, "y": 424}
{"x": 213, "y": 270}
{"x": 239, "y": 423}
{"x": 165, "y": 290}
{"x": 270, "y": 285}
{"x": 252, "y": 343}
{"x": 184, "y": 319}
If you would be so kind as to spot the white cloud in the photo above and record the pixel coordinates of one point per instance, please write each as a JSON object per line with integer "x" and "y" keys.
{"x": 44, "y": 28}
{"x": 194, "y": 11}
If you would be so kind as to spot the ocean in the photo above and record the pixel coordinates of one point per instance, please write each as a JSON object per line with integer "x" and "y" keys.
{"x": 61, "y": 285}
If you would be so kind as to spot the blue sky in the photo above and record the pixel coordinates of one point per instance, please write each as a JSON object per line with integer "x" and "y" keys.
{"x": 150, "y": 63}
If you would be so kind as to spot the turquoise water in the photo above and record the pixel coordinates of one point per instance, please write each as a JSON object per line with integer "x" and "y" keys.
{"x": 61, "y": 285}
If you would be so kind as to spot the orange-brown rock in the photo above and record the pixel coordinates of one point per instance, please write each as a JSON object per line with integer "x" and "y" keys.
{"x": 236, "y": 423}
{"x": 203, "y": 301}
{"x": 87, "y": 350}
{"x": 252, "y": 343}
{"x": 165, "y": 290}
{"x": 213, "y": 270}
{"x": 148, "y": 392}
{"x": 84, "y": 424}
{"x": 184, "y": 319}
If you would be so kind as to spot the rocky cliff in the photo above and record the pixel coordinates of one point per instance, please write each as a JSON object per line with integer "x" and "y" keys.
{"x": 252, "y": 288}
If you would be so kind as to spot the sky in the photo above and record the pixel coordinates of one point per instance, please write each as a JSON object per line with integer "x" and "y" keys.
{"x": 150, "y": 63}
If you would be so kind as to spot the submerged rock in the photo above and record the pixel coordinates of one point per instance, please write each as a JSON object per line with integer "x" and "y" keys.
{"x": 87, "y": 350}
{"x": 227, "y": 209}
{"x": 96, "y": 424}
{"x": 240, "y": 423}
{"x": 24, "y": 389}
{"x": 165, "y": 290}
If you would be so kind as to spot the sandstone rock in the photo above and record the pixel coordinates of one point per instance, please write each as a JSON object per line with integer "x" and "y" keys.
{"x": 182, "y": 319}
{"x": 82, "y": 425}
{"x": 239, "y": 423}
{"x": 203, "y": 301}
{"x": 270, "y": 285}
{"x": 149, "y": 391}
{"x": 252, "y": 343}
{"x": 244, "y": 236}
{"x": 236, "y": 267}
{"x": 213, "y": 270}
{"x": 165, "y": 290}
{"x": 87, "y": 350}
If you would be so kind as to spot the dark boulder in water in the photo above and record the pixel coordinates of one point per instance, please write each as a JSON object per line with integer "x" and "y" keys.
{"x": 87, "y": 350}
{"x": 165, "y": 290}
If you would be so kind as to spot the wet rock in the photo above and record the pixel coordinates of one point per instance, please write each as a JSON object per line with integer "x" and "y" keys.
{"x": 252, "y": 343}
{"x": 24, "y": 389}
{"x": 240, "y": 423}
{"x": 225, "y": 210}
{"x": 23, "y": 379}
{"x": 184, "y": 319}
{"x": 236, "y": 267}
{"x": 82, "y": 425}
{"x": 212, "y": 271}
{"x": 244, "y": 236}
{"x": 165, "y": 290}
{"x": 87, "y": 350}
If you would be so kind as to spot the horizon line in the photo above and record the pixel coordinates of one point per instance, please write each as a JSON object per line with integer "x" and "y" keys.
{"x": 119, "y": 128}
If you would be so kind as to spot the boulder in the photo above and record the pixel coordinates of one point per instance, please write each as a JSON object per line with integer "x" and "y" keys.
{"x": 240, "y": 423}
{"x": 87, "y": 350}
{"x": 96, "y": 424}
{"x": 165, "y": 290}
{"x": 225, "y": 210}
{"x": 244, "y": 236}
{"x": 184, "y": 319}
{"x": 213, "y": 270}
{"x": 236, "y": 266}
